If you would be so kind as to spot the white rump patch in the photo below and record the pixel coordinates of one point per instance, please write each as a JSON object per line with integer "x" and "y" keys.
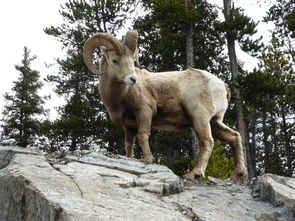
{"x": 217, "y": 91}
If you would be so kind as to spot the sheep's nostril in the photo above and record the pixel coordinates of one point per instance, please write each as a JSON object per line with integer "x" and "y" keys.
{"x": 133, "y": 79}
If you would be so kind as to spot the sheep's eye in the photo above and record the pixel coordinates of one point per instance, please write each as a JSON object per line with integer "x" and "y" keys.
{"x": 115, "y": 61}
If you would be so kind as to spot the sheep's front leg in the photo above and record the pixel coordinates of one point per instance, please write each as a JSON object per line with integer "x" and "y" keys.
{"x": 144, "y": 119}
{"x": 130, "y": 135}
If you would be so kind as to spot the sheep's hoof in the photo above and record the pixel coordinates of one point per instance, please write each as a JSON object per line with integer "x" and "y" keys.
{"x": 147, "y": 160}
{"x": 129, "y": 155}
{"x": 194, "y": 175}
{"x": 238, "y": 176}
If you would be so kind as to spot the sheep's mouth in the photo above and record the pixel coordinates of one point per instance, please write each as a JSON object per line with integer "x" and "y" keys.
{"x": 131, "y": 79}
{"x": 130, "y": 83}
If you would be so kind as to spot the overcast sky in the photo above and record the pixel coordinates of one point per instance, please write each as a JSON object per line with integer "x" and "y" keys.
{"x": 22, "y": 23}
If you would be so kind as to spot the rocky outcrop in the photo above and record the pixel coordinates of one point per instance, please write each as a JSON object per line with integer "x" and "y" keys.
{"x": 105, "y": 187}
{"x": 278, "y": 190}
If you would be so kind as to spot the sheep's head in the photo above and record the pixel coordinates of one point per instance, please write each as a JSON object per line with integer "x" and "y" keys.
{"x": 121, "y": 57}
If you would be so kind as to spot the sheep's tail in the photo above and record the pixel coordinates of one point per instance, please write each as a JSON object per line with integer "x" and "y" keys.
{"x": 228, "y": 93}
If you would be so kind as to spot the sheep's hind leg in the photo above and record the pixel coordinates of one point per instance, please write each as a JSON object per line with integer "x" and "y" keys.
{"x": 130, "y": 135}
{"x": 233, "y": 138}
{"x": 203, "y": 131}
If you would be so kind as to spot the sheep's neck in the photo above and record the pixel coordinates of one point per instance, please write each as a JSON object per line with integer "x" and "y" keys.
{"x": 112, "y": 93}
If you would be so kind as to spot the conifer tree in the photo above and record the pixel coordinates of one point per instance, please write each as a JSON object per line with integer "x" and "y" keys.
{"x": 24, "y": 105}
{"x": 163, "y": 32}
{"x": 238, "y": 27}
{"x": 272, "y": 131}
{"x": 282, "y": 15}
{"x": 269, "y": 97}
{"x": 83, "y": 120}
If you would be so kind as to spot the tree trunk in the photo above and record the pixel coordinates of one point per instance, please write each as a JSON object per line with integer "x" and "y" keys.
{"x": 73, "y": 146}
{"x": 252, "y": 144}
{"x": 287, "y": 142}
{"x": 235, "y": 71}
{"x": 266, "y": 145}
{"x": 21, "y": 127}
{"x": 190, "y": 63}
{"x": 277, "y": 161}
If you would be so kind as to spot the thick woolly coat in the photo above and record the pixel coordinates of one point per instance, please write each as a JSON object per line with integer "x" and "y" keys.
{"x": 171, "y": 96}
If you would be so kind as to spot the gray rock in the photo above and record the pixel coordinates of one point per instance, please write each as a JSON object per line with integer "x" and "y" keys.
{"x": 106, "y": 187}
{"x": 99, "y": 159}
{"x": 6, "y": 153}
{"x": 278, "y": 190}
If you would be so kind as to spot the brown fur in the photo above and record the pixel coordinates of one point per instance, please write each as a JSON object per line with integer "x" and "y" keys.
{"x": 167, "y": 101}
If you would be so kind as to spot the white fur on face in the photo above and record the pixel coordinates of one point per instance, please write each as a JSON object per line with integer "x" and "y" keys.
{"x": 131, "y": 78}
{"x": 122, "y": 67}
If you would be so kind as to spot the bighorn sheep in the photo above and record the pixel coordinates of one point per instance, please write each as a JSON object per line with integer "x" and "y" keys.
{"x": 140, "y": 101}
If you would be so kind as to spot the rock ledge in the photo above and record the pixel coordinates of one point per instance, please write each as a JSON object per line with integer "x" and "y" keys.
{"x": 105, "y": 187}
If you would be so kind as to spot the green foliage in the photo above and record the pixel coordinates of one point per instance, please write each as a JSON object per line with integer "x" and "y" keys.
{"x": 180, "y": 166}
{"x": 83, "y": 120}
{"x": 272, "y": 80}
{"x": 290, "y": 20}
{"x": 269, "y": 93}
{"x": 220, "y": 163}
{"x": 163, "y": 35}
{"x": 283, "y": 16}
{"x": 24, "y": 105}
{"x": 238, "y": 26}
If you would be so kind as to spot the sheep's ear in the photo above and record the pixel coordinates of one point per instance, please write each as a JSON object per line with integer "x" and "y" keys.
{"x": 104, "y": 50}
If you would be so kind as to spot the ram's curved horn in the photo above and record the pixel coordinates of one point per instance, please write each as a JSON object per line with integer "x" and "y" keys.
{"x": 130, "y": 40}
{"x": 97, "y": 40}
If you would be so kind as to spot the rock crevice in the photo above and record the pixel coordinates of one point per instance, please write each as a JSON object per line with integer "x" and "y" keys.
{"x": 72, "y": 178}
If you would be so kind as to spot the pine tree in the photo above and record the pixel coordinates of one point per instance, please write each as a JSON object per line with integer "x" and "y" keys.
{"x": 282, "y": 14}
{"x": 163, "y": 32}
{"x": 238, "y": 27}
{"x": 23, "y": 105}
{"x": 280, "y": 68}
{"x": 272, "y": 107}
{"x": 83, "y": 120}
{"x": 269, "y": 97}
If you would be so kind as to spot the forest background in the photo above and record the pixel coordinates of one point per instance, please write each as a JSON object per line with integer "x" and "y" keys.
{"x": 219, "y": 37}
